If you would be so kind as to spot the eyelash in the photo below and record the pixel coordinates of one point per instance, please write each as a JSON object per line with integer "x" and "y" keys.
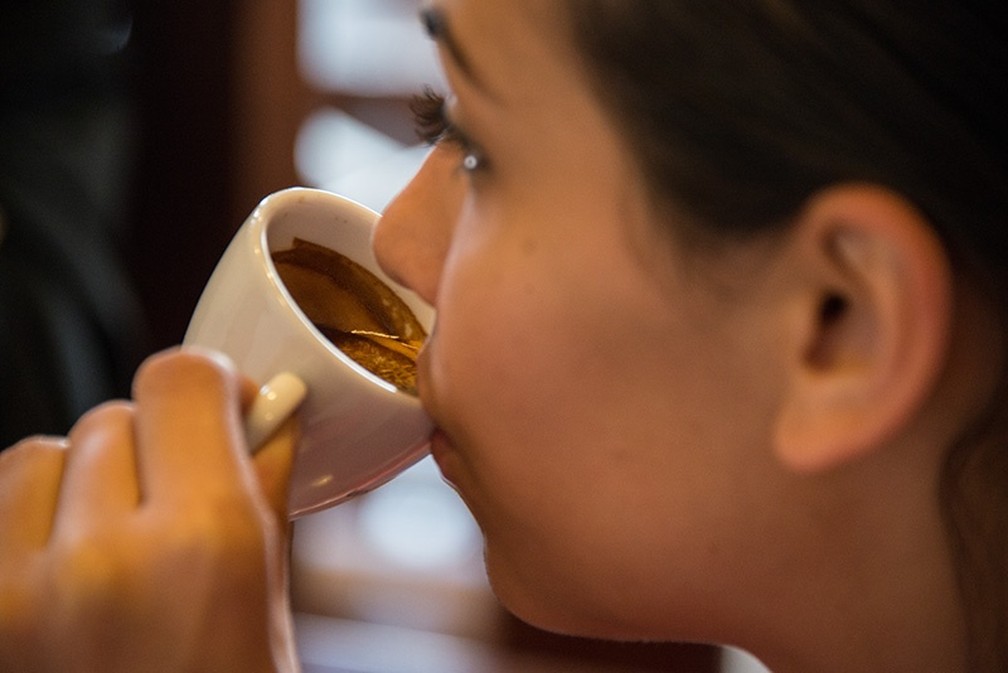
{"x": 433, "y": 127}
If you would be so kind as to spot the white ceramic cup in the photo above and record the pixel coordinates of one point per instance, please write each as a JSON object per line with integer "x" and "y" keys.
{"x": 357, "y": 431}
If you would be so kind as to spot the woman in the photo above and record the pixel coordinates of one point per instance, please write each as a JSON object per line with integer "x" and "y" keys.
{"x": 718, "y": 353}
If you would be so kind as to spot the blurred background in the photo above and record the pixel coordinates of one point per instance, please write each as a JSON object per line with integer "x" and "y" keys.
{"x": 134, "y": 139}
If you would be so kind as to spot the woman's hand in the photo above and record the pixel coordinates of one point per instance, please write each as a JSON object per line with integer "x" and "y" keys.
{"x": 148, "y": 540}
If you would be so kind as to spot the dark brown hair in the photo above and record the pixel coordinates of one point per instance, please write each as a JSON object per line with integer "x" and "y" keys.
{"x": 740, "y": 110}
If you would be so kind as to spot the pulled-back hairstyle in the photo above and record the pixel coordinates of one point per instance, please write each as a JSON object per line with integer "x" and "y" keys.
{"x": 740, "y": 110}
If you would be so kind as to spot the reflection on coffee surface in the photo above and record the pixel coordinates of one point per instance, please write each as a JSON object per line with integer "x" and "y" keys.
{"x": 355, "y": 310}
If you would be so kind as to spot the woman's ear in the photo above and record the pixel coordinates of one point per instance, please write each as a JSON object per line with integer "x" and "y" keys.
{"x": 874, "y": 314}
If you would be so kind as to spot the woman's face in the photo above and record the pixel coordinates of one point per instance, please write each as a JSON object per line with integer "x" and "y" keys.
{"x": 596, "y": 395}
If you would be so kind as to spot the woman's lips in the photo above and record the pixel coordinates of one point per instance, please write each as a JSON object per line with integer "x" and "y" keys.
{"x": 441, "y": 447}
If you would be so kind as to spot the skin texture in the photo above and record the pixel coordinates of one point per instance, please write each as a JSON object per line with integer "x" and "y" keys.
{"x": 738, "y": 444}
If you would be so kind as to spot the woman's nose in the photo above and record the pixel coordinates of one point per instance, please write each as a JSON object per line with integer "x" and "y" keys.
{"x": 412, "y": 236}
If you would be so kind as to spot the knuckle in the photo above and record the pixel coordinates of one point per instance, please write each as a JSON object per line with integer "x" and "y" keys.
{"x": 114, "y": 411}
{"x": 34, "y": 444}
{"x": 30, "y": 460}
{"x": 169, "y": 369}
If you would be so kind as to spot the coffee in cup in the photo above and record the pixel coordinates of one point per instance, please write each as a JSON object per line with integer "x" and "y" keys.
{"x": 354, "y": 309}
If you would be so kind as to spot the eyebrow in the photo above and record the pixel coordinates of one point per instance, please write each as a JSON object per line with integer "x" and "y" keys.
{"x": 436, "y": 24}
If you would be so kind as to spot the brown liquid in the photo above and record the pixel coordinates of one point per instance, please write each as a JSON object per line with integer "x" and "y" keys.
{"x": 355, "y": 310}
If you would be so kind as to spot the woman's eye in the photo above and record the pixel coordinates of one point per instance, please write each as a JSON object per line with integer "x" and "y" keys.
{"x": 434, "y": 127}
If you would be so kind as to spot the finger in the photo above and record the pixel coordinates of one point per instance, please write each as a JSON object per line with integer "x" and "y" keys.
{"x": 30, "y": 473}
{"x": 188, "y": 427}
{"x": 273, "y": 465}
{"x": 99, "y": 480}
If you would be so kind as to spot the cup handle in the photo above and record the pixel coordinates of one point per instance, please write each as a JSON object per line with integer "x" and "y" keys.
{"x": 277, "y": 399}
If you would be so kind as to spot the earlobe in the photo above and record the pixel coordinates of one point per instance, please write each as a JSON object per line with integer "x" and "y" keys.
{"x": 876, "y": 303}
